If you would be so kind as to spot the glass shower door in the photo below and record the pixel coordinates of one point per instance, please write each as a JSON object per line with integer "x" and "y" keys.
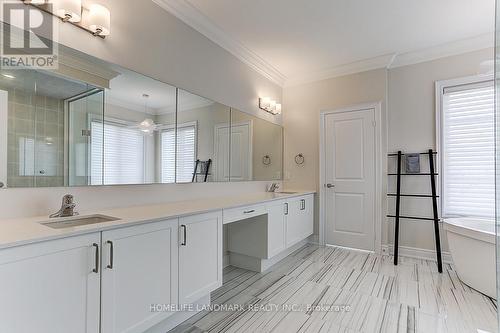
{"x": 85, "y": 138}
{"x": 497, "y": 145}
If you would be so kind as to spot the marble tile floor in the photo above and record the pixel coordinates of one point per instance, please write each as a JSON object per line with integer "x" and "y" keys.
{"x": 326, "y": 289}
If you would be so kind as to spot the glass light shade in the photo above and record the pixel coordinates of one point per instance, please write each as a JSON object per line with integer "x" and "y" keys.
{"x": 265, "y": 102}
{"x": 35, "y": 2}
{"x": 272, "y": 105}
{"x": 71, "y": 10}
{"x": 147, "y": 126}
{"x": 99, "y": 19}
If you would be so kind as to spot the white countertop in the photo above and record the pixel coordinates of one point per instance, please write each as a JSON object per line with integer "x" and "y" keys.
{"x": 21, "y": 231}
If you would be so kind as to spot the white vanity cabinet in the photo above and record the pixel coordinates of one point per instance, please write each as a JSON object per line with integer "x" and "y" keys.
{"x": 139, "y": 269}
{"x": 299, "y": 219}
{"x": 257, "y": 242}
{"x": 200, "y": 255}
{"x": 51, "y": 286}
{"x": 276, "y": 228}
{"x": 124, "y": 278}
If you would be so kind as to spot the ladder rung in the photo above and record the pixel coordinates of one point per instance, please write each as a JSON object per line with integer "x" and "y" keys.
{"x": 414, "y": 174}
{"x": 412, "y": 195}
{"x": 414, "y": 218}
{"x": 396, "y": 154}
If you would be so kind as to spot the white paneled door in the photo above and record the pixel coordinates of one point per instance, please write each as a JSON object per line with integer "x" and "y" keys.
{"x": 349, "y": 146}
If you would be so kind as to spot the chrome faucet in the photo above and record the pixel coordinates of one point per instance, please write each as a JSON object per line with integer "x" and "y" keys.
{"x": 67, "y": 207}
{"x": 273, "y": 187}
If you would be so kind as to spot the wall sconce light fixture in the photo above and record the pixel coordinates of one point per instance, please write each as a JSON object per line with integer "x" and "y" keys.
{"x": 99, "y": 20}
{"x": 269, "y": 105}
{"x": 96, "y": 19}
{"x": 68, "y": 10}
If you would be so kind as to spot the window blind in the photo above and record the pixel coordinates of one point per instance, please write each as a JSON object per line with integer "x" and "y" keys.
{"x": 468, "y": 150}
{"x": 186, "y": 154}
{"x": 123, "y": 158}
{"x": 168, "y": 156}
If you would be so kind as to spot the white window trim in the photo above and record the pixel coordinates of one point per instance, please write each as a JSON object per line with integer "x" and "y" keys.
{"x": 440, "y": 86}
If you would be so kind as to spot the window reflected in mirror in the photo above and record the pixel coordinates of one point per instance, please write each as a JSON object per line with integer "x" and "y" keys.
{"x": 202, "y": 139}
{"x": 139, "y": 127}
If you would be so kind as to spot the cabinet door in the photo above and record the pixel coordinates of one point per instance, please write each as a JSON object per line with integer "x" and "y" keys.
{"x": 307, "y": 212}
{"x": 299, "y": 220}
{"x": 276, "y": 228}
{"x": 139, "y": 270}
{"x": 294, "y": 227}
{"x": 51, "y": 287}
{"x": 200, "y": 256}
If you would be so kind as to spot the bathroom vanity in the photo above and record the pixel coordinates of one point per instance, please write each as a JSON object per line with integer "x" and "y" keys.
{"x": 139, "y": 270}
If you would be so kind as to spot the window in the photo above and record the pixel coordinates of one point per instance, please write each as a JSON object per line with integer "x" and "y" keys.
{"x": 468, "y": 149}
{"x": 186, "y": 153}
{"x": 168, "y": 156}
{"x": 123, "y": 155}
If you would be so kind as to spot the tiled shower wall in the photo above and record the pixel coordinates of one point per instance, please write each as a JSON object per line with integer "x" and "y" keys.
{"x": 35, "y": 140}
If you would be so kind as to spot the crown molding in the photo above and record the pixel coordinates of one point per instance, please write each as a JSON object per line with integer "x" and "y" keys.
{"x": 389, "y": 61}
{"x": 462, "y": 46}
{"x": 355, "y": 67}
{"x": 198, "y": 21}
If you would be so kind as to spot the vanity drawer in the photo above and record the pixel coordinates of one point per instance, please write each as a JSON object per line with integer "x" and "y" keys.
{"x": 241, "y": 213}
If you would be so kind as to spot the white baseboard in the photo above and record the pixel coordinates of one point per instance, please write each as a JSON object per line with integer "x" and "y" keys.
{"x": 417, "y": 253}
{"x": 313, "y": 239}
{"x": 225, "y": 260}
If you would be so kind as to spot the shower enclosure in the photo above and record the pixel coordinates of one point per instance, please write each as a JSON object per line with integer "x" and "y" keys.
{"x": 497, "y": 143}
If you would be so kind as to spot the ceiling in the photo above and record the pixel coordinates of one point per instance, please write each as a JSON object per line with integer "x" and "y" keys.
{"x": 127, "y": 90}
{"x": 296, "y": 40}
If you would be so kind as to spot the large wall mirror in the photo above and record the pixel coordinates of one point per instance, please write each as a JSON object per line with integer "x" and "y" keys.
{"x": 95, "y": 123}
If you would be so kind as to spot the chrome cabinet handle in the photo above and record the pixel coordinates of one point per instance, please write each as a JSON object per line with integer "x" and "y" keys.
{"x": 184, "y": 241}
{"x": 249, "y": 211}
{"x": 96, "y": 267}
{"x": 286, "y": 208}
{"x": 111, "y": 255}
{"x": 302, "y": 204}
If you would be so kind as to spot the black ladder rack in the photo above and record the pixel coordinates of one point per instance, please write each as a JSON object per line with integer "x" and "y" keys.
{"x": 434, "y": 197}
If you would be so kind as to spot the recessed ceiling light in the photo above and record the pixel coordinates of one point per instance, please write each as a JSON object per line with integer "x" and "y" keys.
{"x": 9, "y": 76}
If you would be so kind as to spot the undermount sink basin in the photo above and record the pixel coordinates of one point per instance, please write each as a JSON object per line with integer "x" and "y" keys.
{"x": 75, "y": 221}
{"x": 285, "y": 192}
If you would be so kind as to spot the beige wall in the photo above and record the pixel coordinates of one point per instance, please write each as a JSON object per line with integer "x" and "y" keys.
{"x": 409, "y": 126}
{"x": 412, "y": 127}
{"x": 302, "y": 107}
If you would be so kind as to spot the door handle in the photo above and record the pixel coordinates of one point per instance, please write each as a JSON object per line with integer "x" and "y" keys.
{"x": 96, "y": 267}
{"x": 184, "y": 238}
{"x": 329, "y": 185}
{"x": 249, "y": 211}
{"x": 111, "y": 255}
